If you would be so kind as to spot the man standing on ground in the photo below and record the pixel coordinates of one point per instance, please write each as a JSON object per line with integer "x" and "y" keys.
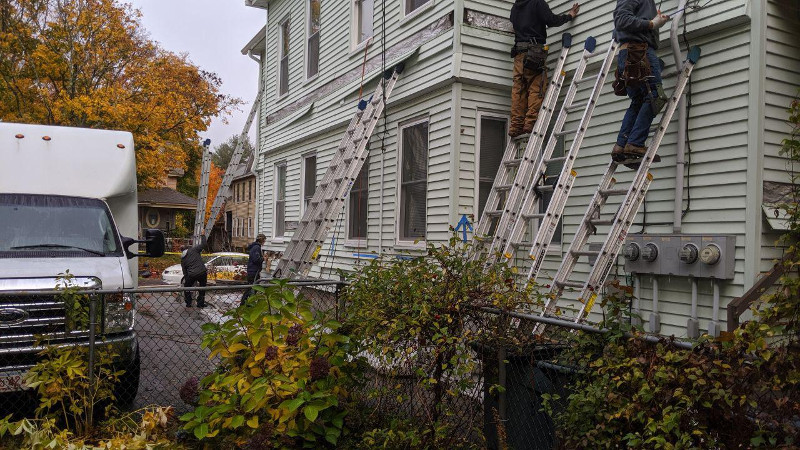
{"x": 194, "y": 271}
{"x": 254, "y": 263}
{"x": 636, "y": 24}
{"x": 530, "y": 19}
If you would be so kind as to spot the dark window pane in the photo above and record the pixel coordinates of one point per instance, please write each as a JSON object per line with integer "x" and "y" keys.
{"x": 492, "y": 146}
{"x": 310, "y": 182}
{"x": 414, "y": 214}
{"x": 359, "y": 195}
{"x": 313, "y": 56}
{"x": 414, "y": 182}
{"x": 412, "y": 5}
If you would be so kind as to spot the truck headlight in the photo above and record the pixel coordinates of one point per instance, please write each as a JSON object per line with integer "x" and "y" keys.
{"x": 119, "y": 312}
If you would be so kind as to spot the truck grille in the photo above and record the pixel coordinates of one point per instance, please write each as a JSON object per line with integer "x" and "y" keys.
{"x": 22, "y": 318}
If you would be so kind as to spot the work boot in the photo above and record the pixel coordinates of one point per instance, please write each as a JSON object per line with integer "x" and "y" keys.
{"x": 618, "y": 153}
{"x": 514, "y": 132}
{"x": 634, "y": 151}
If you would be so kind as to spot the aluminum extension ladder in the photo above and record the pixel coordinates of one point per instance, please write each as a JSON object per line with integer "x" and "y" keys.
{"x": 236, "y": 158}
{"x": 622, "y": 219}
{"x": 304, "y": 248}
{"x": 202, "y": 193}
{"x": 516, "y": 172}
{"x": 508, "y": 241}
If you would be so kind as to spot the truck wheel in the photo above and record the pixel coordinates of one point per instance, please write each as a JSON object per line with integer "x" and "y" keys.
{"x": 128, "y": 384}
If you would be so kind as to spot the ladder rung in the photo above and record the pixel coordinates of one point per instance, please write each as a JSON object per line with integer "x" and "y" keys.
{"x": 570, "y": 284}
{"x": 566, "y": 132}
{"x": 494, "y": 213}
{"x": 513, "y": 162}
{"x": 601, "y": 221}
{"x": 610, "y": 192}
{"x": 541, "y": 189}
{"x": 576, "y": 106}
{"x": 585, "y": 79}
{"x": 589, "y": 253}
{"x": 533, "y": 216}
{"x": 559, "y": 159}
{"x": 503, "y": 187}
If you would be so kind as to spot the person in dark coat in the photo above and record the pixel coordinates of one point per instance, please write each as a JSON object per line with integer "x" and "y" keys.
{"x": 530, "y": 19}
{"x": 194, "y": 271}
{"x": 254, "y": 263}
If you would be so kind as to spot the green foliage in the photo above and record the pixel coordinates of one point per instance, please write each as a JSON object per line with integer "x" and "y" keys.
{"x": 739, "y": 391}
{"x": 282, "y": 372}
{"x": 224, "y": 152}
{"x": 76, "y": 305}
{"x": 417, "y": 321}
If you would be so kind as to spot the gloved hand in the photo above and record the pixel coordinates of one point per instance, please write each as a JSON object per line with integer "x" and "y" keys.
{"x": 658, "y": 21}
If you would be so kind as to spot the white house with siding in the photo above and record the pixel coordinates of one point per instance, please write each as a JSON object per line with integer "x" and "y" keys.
{"x": 433, "y": 156}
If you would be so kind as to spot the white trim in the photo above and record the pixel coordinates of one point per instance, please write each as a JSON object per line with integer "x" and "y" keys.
{"x": 306, "y": 78}
{"x": 281, "y": 24}
{"x": 420, "y": 243}
{"x": 407, "y": 17}
{"x": 481, "y": 113}
{"x": 303, "y": 158}
{"x": 355, "y": 27}
{"x": 275, "y": 199}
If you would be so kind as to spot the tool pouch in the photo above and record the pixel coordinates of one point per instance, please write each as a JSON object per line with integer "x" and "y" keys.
{"x": 660, "y": 100}
{"x": 536, "y": 58}
{"x": 636, "y": 71}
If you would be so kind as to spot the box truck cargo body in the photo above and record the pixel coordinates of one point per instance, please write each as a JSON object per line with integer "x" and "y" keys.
{"x": 68, "y": 213}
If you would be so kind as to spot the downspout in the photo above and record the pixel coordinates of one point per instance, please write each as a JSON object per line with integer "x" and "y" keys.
{"x": 683, "y": 120}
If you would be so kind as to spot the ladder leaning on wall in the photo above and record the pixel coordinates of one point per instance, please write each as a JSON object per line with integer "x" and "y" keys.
{"x": 304, "y": 248}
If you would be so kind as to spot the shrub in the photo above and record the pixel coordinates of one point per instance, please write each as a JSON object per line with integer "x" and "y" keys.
{"x": 282, "y": 374}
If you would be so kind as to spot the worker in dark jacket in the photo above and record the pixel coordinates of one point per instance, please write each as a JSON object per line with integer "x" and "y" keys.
{"x": 636, "y": 24}
{"x": 530, "y": 19}
{"x": 254, "y": 263}
{"x": 194, "y": 271}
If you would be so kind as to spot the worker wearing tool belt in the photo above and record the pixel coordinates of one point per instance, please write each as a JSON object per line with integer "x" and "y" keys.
{"x": 530, "y": 19}
{"x": 638, "y": 75}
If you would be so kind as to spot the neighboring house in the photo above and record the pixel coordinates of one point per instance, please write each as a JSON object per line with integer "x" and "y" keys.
{"x": 435, "y": 154}
{"x": 158, "y": 207}
{"x": 240, "y": 208}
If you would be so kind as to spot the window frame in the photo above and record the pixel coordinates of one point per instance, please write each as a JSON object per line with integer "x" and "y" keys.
{"x": 308, "y": 37}
{"x": 285, "y": 22}
{"x": 355, "y": 26}
{"x": 358, "y": 242}
{"x": 557, "y": 242}
{"x": 276, "y": 168}
{"x": 478, "y": 151}
{"x": 303, "y": 158}
{"x": 406, "y": 15}
{"x": 405, "y": 243}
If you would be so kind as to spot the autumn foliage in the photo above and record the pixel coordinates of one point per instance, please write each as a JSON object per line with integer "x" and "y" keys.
{"x": 89, "y": 63}
{"x": 215, "y": 176}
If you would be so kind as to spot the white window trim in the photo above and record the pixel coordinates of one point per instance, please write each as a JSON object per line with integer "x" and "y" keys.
{"x": 278, "y": 66}
{"x": 404, "y": 244}
{"x": 249, "y": 227}
{"x": 478, "y": 150}
{"x": 278, "y": 239}
{"x": 360, "y": 243}
{"x": 407, "y": 17}
{"x": 355, "y": 46}
{"x": 303, "y": 158}
{"x": 306, "y": 78}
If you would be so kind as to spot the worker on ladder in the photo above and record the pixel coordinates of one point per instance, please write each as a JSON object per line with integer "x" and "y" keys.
{"x": 530, "y": 19}
{"x": 638, "y": 75}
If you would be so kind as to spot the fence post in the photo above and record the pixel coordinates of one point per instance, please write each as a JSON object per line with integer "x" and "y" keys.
{"x": 92, "y": 340}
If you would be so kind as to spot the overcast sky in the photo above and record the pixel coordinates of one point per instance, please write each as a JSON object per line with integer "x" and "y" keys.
{"x": 213, "y": 33}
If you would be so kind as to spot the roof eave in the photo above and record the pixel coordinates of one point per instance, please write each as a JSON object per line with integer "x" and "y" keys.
{"x": 258, "y": 43}
{"x": 262, "y": 4}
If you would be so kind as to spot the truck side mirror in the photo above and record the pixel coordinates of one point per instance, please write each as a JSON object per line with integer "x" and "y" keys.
{"x": 154, "y": 241}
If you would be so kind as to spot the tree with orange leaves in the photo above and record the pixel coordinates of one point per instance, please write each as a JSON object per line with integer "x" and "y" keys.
{"x": 89, "y": 63}
{"x": 215, "y": 176}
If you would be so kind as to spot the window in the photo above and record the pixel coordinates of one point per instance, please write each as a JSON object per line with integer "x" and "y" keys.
{"x": 413, "y": 5}
{"x": 357, "y": 212}
{"x": 312, "y": 44}
{"x": 249, "y": 227}
{"x": 551, "y": 174}
{"x": 363, "y": 19}
{"x": 309, "y": 178}
{"x": 235, "y": 226}
{"x": 250, "y": 191}
{"x": 283, "y": 75}
{"x": 492, "y": 144}
{"x": 413, "y": 181}
{"x": 280, "y": 200}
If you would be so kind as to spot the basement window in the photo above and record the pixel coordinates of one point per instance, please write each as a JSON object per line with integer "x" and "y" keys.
{"x": 413, "y": 166}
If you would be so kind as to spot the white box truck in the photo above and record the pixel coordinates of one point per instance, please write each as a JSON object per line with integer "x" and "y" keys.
{"x": 67, "y": 203}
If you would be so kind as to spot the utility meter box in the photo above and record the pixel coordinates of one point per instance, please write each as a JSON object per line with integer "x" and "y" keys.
{"x": 701, "y": 256}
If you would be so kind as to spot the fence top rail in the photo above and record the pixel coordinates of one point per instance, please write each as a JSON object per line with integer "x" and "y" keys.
{"x": 588, "y": 328}
{"x": 161, "y": 290}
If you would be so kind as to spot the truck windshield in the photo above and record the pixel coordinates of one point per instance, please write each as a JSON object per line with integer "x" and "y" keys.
{"x": 56, "y": 225}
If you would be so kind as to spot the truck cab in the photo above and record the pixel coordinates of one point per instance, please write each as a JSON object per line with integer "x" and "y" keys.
{"x": 68, "y": 215}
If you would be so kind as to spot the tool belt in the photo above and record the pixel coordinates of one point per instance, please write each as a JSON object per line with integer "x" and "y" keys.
{"x": 535, "y": 55}
{"x": 637, "y": 68}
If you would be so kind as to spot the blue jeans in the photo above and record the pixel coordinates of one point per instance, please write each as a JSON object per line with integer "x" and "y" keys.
{"x": 639, "y": 116}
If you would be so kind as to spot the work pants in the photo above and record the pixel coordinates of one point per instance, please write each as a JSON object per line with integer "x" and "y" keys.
{"x": 251, "y": 279}
{"x": 527, "y": 94}
{"x": 190, "y": 281}
{"x": 639, "y": 116}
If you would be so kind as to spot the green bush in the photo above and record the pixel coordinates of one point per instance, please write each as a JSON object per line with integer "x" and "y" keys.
{"x": 282, "y": 377}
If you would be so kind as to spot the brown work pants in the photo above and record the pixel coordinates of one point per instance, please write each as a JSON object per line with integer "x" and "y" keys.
{"x": 527, "y": 94}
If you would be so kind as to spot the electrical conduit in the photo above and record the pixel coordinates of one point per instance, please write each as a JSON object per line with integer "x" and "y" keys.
{"x": 682, "y": 121}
